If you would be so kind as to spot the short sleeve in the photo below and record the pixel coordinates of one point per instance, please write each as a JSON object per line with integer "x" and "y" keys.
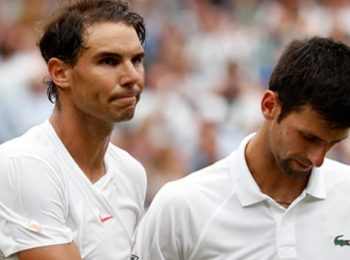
{"x": 32, "y": 205}
{"x": 164, "y": 229}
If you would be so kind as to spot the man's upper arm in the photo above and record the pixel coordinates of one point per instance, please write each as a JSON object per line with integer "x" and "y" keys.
{"x": 32, "y": 205}
{"x": 56, "y": 252}
{"x": 159, "y": 232}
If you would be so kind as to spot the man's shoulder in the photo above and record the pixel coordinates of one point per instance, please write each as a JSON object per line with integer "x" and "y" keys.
{"x": 335, "y": 167}
{"x": 119, "y": 153}
{"x": 33, "y": 142}
{"x": 126, "y": 165}
{"x": 336, "y": 172}
{"x": 210, "y": 184}
{"x": 123, "y": 159}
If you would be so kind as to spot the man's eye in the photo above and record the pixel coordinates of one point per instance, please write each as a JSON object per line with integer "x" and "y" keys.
{"x": 138, "y": 59}
{"x": 309, "y": 138}
{"x": 109, "y": 61}
{"x": 312, "y": 139}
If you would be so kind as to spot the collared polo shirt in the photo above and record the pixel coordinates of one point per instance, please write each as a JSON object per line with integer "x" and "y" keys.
{"x": 220, "y": 213}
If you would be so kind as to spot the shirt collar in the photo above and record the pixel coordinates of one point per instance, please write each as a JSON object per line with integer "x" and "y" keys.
{"x": 316, "y": 185}
{"x": 249, "y": 193}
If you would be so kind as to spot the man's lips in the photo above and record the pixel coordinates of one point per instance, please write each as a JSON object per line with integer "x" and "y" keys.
{"x": 124, "y": 101}
{"x": 127, "y": 99}
{"x": 128, "y": 96}
{"x": 303, "y": 165}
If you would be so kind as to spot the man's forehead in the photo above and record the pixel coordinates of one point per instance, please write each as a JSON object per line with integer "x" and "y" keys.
{"x": 112, "y": 37}
{"x": 116, "y": 31}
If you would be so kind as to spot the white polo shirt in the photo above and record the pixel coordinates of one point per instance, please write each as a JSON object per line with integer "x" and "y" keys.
{"x": 219, "y": 212}
{"x": 46, "y": 199}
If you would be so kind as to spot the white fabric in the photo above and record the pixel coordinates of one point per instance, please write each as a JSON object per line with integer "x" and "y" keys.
{"x": 45, "y": 198}
{"x": 220, "y": 213}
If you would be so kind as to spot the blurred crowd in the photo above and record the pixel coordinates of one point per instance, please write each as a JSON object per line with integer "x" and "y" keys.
{"x": 207, "y": 63}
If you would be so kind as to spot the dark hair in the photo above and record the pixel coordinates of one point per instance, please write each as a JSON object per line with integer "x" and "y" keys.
{"x": 315, "y": 72}
{"x": 63, "y": 35}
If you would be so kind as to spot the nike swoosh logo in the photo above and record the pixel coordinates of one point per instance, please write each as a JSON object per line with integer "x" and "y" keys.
{"x": 104, "y": 219}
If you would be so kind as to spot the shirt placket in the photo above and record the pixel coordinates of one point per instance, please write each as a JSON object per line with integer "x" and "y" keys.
{"x": 286, "y": 235}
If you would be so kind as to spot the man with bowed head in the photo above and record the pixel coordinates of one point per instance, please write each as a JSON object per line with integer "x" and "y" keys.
{"x": 65, "y": 191}
{"x": 276, "y": 196}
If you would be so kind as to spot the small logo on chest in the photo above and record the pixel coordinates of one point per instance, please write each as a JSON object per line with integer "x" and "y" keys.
{"x": 341, "y": 242}
{"x": 106, "y": 218}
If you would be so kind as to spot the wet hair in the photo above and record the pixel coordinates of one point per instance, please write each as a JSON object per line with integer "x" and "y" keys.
{"x": 314, "y": 72}
{"x": 63, "y": 35}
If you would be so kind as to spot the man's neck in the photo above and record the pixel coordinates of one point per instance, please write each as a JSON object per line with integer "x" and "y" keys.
{"x": 86, "y": 145}
{"x": 271, "y": 181}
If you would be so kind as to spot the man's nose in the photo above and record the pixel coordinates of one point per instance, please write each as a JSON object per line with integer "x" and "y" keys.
{"x": 130, "y": 74}
{"x": 317, "y": 155}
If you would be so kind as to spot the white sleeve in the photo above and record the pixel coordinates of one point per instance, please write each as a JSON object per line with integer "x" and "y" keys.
{"x": 32, "y": 205}
{"x": 164, "y": 232}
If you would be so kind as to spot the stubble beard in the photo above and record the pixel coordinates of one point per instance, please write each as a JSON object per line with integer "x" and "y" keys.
{"x": 287, "y": 170}
{"x": 125, "y": 117}
{"x": 128, "y": 114}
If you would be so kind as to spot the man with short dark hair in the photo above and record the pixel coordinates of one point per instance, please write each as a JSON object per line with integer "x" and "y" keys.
{"x": 66, "y": 192}
{"x": 276, "y": 196}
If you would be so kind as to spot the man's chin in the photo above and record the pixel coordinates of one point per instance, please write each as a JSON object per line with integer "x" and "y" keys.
{"x": 125, "y": 117}
{"x": 297, "y": 175}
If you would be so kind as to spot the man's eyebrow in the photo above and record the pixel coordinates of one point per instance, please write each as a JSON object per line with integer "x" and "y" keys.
{"x": 117, "y": 55}
{"x": 108, "y": 54}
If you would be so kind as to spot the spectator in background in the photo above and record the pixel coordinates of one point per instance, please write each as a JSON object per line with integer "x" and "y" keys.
{"x": 66, "y": 192}
{"x": 276, "y": 192}
{"x": 23, "y": 101}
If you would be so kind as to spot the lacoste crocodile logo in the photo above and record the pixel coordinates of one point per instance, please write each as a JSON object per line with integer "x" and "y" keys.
{"x": 341, "y": 242}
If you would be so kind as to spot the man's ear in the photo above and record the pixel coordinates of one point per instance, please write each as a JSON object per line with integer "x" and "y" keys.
{"x": 59, "y": 72}
{"x": 270, "y": 105}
